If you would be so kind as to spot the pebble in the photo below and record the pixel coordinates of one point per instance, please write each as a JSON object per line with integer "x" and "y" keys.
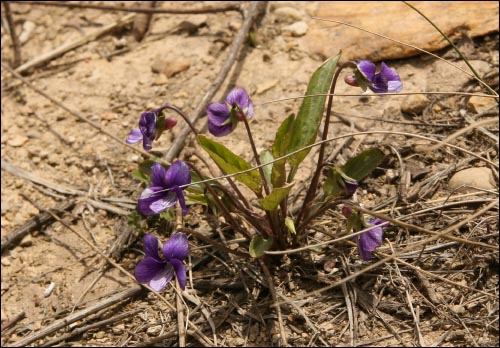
{"x": 26, "y": 241}
{"x": 32, "y": 133}
{"x": 17, "y": 140}
{"x": 414, "y": 104}
{"x": 287, "y": 14}
{"x": 480, "y": 104}
{"x": 481, "y": 177}
{"x": 5, "y": 261}
{"x": 297, "y": 29}
{"x": 154, "y": 330}
{"x": 53, "y": 159}
{"x": 170, "y": 67}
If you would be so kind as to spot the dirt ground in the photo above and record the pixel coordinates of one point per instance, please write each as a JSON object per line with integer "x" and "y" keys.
{"x": 445, "y": 294}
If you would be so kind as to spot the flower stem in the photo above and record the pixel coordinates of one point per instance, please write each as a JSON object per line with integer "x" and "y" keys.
{"x": 311, "y": 192}
{"x": 184, "y": 116}
{"x": 256, "y": 155}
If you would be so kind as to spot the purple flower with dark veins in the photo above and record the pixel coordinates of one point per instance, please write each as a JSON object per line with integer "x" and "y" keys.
{"x": 158, "y": 271}
{"x": 365, "y": 76}
{"x": 165, "y": 189}
{"x": 223, "y": 117}
{"x": 150, "y": 126}
{"x": 370, "y": 240}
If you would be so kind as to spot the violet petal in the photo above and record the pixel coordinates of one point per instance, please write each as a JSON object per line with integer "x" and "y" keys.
{"x": 151, "y": 247}
{"x": 178, "y": 174}
{"x": 161, "y": 279}
{"x": 217, "y": 113}
{"x": 176, "y": 247}
{"x": 180, "y": 272}
{"x": 158, "y": 173}
{"x": 134, "y": 137}
{"x": 147, "y": 269}
{"x": 219, "y": 131}
{"x": 238, "y": 96}
{"x": 367, "y": 68}
{"x": 153, "y": 202}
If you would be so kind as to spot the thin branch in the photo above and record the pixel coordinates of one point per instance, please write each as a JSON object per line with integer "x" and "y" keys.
{"x": 223, "y": 8}
{"x": 13, "y": 35}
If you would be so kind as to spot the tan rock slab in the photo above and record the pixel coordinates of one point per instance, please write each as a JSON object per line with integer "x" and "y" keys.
{"x": 397, "y": 21}
{"x": 481, "y": 177}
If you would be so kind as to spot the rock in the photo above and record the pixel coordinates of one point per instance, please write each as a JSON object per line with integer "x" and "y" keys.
{"x": 154, "y": 330}
{"x": 391, "y": 19}
{"x": 414, "y": 104}
{"x": 53, "y": 159}
{"x": 297, "y": 29}
{"x": 26, "y": 241}
{"x": 481, "y": 177}
{"x": 160, "y": 80}
{"x": 25, "y": 34}
{"x": 33, "y": 134}
{"x": 17, "y": 140}
{"x": 170, "y": 67}
{"x": 480, "y": 104}
{"x": 287, "y": 15}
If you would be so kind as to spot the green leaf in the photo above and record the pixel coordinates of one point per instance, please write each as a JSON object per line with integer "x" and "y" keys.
{"x": 290, "y": 225}
{"x": 168, "y": 214}
{"x": 259, "y": 245}
{"x": 140, "y": 175}
{"x": 356, "y": 168}
{"x": 231, "y": 163}
{"x": 306, "y": 125}
{"x": 360, "y": 166}
{"x": 280, "y": 146}
{"x": 265, "y": 157}
{"x": 271, "y": 201}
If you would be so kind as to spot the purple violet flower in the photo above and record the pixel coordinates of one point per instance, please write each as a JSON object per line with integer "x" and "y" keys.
{"x": 150, "y": 126}
{"x": 370, "y": 240}
{"x": 367, "y": 241}
{"x": 165, "y": 191}
{"x": 223, "y": 117}
{"x": 157, "y": 271}
{"x": 365, "y": 76}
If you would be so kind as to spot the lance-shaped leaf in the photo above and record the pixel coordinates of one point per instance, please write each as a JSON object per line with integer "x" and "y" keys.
{"x": 280, "y": 147}
{"x": 360, "y": 166}
{"x": 258, "y": 245}
{"x": 231, "y": 163}
{"x": 271, "y": 201}
{"x": 306, "y": 125}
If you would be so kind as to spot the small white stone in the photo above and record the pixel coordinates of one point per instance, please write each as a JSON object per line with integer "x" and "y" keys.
{"x": 297, "y": 29}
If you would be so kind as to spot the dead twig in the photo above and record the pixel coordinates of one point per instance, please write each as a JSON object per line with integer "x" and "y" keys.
{"x": 59, "y": 51}
{"x": 272, "y": 289}
{"x": 34, "y": 223}
{"x": 212, "y": 9}
{"x": 13, "y": 321}
{"x": 121, "y": 296}
{"x": 81, "y": 330}
{"x": 13, "y": 35}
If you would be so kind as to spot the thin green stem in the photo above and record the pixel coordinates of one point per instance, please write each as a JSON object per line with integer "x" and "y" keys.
{"x": 195, "y": 132}
{"x": 256, "y": 155}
